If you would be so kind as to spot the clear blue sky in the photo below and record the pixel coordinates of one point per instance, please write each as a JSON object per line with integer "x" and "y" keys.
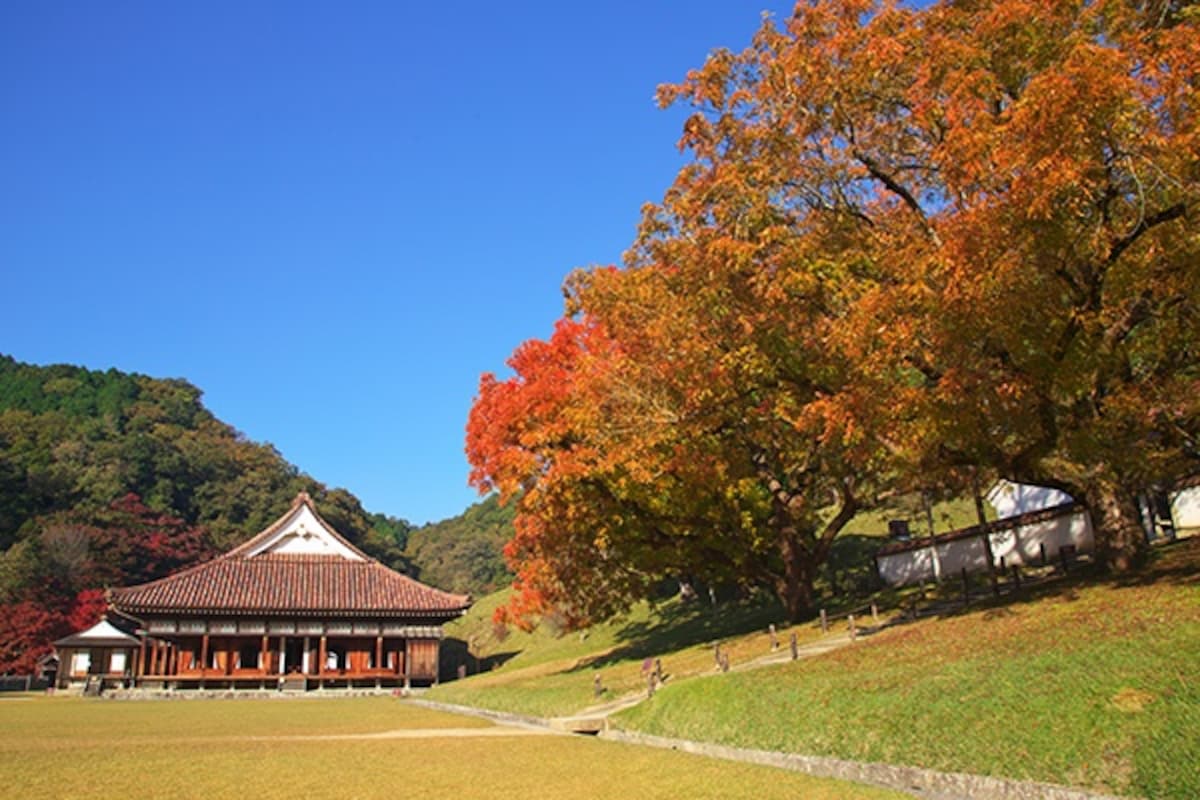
{"x": 331, "y": 217}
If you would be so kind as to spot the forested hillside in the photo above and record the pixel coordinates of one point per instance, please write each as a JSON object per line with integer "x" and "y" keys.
{"x": 109, "y": 478}
{"x": 465, "y": 553}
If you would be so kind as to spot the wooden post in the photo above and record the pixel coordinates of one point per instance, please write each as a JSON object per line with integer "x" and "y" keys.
{"x": 321, "y": 656}
{"x": 824, "y": 622}
{"x": 795, "y": 647}
{"x": 597, "y": 686}
{"x": 378, "y": 653}
{"x": 874, "y": 614}
{"x": 203, "y": 655}
{"x": 263, "y": 662}
{"x": 774, "y": 637}
{"x": 717, "y": 654}
{"x": 141, "y": 665}
{"x": 853, "y": 630}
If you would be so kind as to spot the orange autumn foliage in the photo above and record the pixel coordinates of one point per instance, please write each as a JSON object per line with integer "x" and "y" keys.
{"x": 910, "y": 244}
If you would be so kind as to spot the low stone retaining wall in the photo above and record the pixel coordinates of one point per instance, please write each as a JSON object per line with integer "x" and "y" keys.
{"x": 925, "y": 783}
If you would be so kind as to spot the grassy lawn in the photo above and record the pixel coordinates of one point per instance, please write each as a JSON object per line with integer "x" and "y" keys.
{"x": 553, "y": 675}
{"x": 1095, "y": 684}
{"x": 68, "y": 748}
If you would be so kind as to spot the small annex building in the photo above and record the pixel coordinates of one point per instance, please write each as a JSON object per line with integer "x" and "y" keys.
{"x": 102, "y": 654}
{"x": 295, "y": 607}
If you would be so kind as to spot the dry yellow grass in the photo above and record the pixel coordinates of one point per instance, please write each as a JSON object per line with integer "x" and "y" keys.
{"x": 204, "y": 749}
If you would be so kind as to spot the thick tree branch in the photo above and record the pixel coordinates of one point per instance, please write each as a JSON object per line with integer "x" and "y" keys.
{"x": 898, "y": 189}
{"x": 1125, "y": 242}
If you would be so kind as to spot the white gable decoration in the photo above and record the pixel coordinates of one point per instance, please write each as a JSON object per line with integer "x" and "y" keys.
{"x": 103, "y": 630}
{"x": 303, "y": 533}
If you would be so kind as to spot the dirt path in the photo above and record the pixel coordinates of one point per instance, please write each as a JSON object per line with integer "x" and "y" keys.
{"x": 500, "y": 730}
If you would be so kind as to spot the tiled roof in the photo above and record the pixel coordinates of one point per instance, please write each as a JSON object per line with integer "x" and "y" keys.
{"x": 269, "y": 583}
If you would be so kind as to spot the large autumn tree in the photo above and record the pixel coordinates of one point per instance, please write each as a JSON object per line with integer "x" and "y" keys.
{"x": 910, "y": 245}
{"x": 1022, "y": 178}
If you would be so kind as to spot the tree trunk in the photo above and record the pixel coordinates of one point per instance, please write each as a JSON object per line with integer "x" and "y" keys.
{"x": 795, "y": 587}
{"x": 1120, "y": 541}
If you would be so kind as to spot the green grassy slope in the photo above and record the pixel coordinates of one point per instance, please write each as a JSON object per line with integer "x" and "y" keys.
{"x": 546, "y": 673}
{"x": 1091, "y": 684}
{"x": 1084, "y": 681}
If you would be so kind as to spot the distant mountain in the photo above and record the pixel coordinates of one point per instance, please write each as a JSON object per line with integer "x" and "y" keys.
{"x": 464, "y": 553}
{"x": 73, "y": 439}
{"x": 110, "y": 478}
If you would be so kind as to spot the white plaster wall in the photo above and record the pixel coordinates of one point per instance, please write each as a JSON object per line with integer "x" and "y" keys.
{"x": 1185, "y": 507}
{"x": 1020, "y": 545}
{"x": 901, "y": 569}
{"x": 956, "y": 555}
{"x": 1012, "y": 499}
{"x": 1016, "y": 545}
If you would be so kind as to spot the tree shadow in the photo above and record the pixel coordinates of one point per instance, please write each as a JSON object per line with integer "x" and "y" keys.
{"x": 456, "y": 653}
{"x": 681, "y": 625}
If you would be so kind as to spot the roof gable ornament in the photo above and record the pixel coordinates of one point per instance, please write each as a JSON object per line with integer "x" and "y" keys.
{"x": 301, "y": 531}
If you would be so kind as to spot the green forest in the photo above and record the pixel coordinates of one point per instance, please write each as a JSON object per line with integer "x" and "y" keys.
{"x": 109, "y": 478}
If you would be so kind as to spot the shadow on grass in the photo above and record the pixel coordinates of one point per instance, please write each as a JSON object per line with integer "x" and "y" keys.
{"x": 456, "y": 653}
{"x": 681, "y": 625}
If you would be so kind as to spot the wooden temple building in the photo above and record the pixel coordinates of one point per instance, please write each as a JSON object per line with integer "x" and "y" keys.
{"x": 295, "y": 607}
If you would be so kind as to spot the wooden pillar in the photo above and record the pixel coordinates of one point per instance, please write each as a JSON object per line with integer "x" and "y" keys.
{"x": 407, "y": 666}
{"x": 203, "y": 655}
{"x": 263, "y": 662}
{"x": 141, "y": 662}
{"x": 378, "y": 653}
{"x": 322, "y": 655}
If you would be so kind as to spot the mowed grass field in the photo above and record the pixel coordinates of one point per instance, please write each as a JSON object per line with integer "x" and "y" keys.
{"x": 77, "y": 748}
{"x": 1087, "y": 682}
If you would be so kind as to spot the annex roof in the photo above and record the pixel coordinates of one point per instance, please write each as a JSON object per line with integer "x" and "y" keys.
{"x": 298, "y": 566}
{"x": 102, "y": 634}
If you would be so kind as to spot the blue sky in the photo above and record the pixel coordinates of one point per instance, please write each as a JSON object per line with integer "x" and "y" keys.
{"x": 331, "y": 217}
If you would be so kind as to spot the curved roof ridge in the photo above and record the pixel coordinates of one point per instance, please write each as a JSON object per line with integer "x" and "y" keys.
{"x": 302, "y": 499}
